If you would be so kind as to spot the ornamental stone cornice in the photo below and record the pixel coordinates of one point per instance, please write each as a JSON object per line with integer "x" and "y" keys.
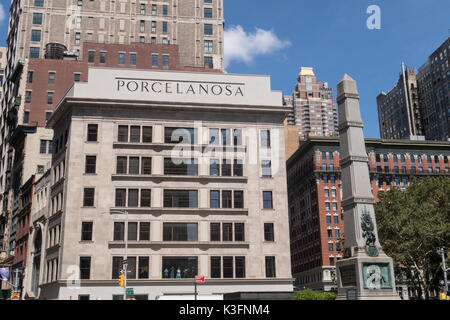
{"x": 345, "y": 161}
{"x": 352, "y": 201}
{"x": 346, "y": 95}
{"x": 347, "y": 124}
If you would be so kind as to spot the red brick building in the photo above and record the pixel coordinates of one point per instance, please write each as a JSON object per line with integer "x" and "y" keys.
{"x": 314, "y": 191}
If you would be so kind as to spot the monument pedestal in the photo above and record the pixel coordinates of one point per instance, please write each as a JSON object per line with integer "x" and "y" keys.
{"x": 362, "y": 277}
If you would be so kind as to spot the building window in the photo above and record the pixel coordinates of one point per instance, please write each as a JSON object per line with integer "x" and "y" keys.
{"x": 142, "y": 26}
{"x": 180, "y": 167}
{"x": 77, "y": 38}
{"x": 336, "y": 233}
{"x": 141, "y": 39}
{"x": 164, "y": 27}
{"x": 207, "y": 12}
{"x": 121, "y": 58}
{"x": 267, "y": 200}
{"x": 34, "y": 53}
{"x": 270, "y": 267}
{"x": 26, "y": 117}
{"x": 102, "y": 56}
{"x": 39, "y": 3}
{"x": 85, "y": 268}
{"x": 154, "y": 9}
{"x": 336, "y": 219}
{"x": 208, "y": 45}
{"x": 92, "y": 131}
{"x": 51, "y": 77}
{"x": 132, "y": 59}
{"x": 48, "y": 115}
{"x": 90, "y": 164}
{"x": 88, "y": 197}
{"x": 143, "y": 268}
{"x": 154, "y": 60}
{"x": 208, "y": 29}
{"x": 83, "y": 297}
{"x": 328, "y": 218}
{"x": 122, "y": 135}
{"x": 331, "y": 261}
{"x": 180, "y": 135}
{"x": 269, "y": 232}
{"x": 330, "y": 247}
{"x": 37, "y": 18}
{"x": 30, "y": 77}
{"x": 46, "y": 147}
{"x": 36, "y": 35}
{"x": 77, "y": 77}
{"x": 86, "y": 231}
{"x": 216, "y": 267}
{"x": 208, "y": 61}
{"x": 165, "y": 7}
{"x": 135, "y": 134}
{"x": 180, "y": 232}
{"x": 179, "y": 267}
{"x": 142, "y": 8}
{"x": 180, "y": 198}
{"x": 50, "y": 97}
{"x": 153, "y": 26}
{"x": 165, "y": 61}
{"x": 266, "y": 168}
{"x": 28, "y": 96}
{"x": 91, "y": 56}
{"x": 265, "y": 138}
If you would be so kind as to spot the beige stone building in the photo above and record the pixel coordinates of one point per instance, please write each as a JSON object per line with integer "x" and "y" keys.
{"x": 197, "y": 160}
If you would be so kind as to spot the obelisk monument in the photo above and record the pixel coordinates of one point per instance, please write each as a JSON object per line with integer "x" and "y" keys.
{"x": 365, "y": 272}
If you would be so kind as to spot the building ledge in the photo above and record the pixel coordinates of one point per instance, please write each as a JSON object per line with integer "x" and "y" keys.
{"x": 159, "y": 178}
{"x": 157, "y": 245}
{"x": 181, "y": 211}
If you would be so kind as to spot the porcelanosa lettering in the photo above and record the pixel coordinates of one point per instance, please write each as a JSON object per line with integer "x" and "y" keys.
{"x": 187, "y": 88}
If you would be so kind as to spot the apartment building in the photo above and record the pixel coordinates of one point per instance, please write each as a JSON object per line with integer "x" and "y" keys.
{"x": 399, "y": 112}
{"x": 314, "y": 190}
{"x": 313, "y": 110}
{"x": 434, "y": 90}
{"x": 203, "y": 190}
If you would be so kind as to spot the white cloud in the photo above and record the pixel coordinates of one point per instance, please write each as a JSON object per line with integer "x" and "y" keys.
{"x": 243, "y": 46}
{"x": 2, "y": 13}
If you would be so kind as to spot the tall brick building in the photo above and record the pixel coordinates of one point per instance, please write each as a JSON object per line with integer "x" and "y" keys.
{"x": 314, "y": 193}
{"x": 312, "y": 108}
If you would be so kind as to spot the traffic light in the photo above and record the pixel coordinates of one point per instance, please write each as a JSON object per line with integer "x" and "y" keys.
{"x": 121, "y": 280}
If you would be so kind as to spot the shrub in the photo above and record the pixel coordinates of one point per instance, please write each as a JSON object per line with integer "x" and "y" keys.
{"x": 309, "y": 294}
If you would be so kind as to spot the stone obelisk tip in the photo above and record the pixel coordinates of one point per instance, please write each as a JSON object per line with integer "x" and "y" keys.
{"x": 347, "y": 85}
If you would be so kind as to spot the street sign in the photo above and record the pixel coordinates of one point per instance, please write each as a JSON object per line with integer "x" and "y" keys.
{"x": 200, "y": 279}
{"x": 15, "y": 295}
{"x": 130, "y": 291}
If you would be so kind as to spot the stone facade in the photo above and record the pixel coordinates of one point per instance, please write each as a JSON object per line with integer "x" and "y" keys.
{"x": 256, "y": 260}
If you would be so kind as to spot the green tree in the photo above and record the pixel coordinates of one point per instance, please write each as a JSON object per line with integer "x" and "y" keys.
{"x": 309, "y": 294}
{"x": 412, "y": 224}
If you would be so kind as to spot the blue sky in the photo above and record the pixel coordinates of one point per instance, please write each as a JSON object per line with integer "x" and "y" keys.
{"x": 332, "y": 37}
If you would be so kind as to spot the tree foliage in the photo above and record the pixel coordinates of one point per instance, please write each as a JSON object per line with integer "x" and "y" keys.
{"x": 309, "y": 294}
{"x": 412, "y": 224}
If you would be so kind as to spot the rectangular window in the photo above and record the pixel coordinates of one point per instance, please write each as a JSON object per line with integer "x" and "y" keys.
{"x": 330, "y": 247}
{"x": 266, "y": 168}
{"x": 146, "y": 166}
{"x": 180, "y": 199}
{"x": 142, "y": 8}
{"x": 228, "y": 267}
{"x": 88, "y": 197}
{"x": 238, "y": 199}
{"x": 207, "y": 13}
{"x": 265, "y": 138}
{"x": 214, "y": 199}
{"x": 179, "y": 267}
{"x": 28, "y": 96}
{"x": 122, "y": 165}
{"x": 119, "y": 231}
{"x": 216, "y": 267}
{"x": 26, "y": 116}
{"x": 133, "y": 197}
{"x": 30, "y": 77}
{"x": 143, "y": 270}
{"x": 227, "y": 232}
{"x": 132, "y": 59}
{"x": 121, "y": 195}
{"x": 144, "y": 231}
{"x": 268, "y": 232}
{"x": 36, "y": 35}
{"x": 267, "y": 200}
{"x": 226, "y": 199}
{"x": 86, "y": 231}
{"x": 90, "y": 164}
{"x": 237, "y": 137}
{"x": 92, "y": 132}
{"x": 121, "y": 58}
{"x": 77, "y": 38}
{"x": 117, "y": 267}
{"x": 226, "y": 168}
{"x": 180, "y": 135}
{"x": 208, "y": 45}
{"x": 141, "y": 39}
{"x": 238, "y": 169}
{"x": 122, "y": 135}
{"x": 336, "y": 233}
{"x": 91, "y": 56}
{"x": 131, "y": 268}
{"x": 102, "y": 56}
{"x": 154, "y": 60}
{"x": 132, "y": 231}
{"x": 133, "y": 165}
{"x": 34, "y": 53}
{"x": 85, "y": 268}
{"x": 153, "y": 26}
{"x": 328, "y": 219}
{"x": 215, "y": 231}
{"x": 142, "y": 26}
{"x": 208, "y": 62}
{"x": 165, "y": 7}
{"x": 164, "y": 27}
{"x": 239, "y": 232}
{"x": 146, "y": 198}
{"x": 46, "y": 147}
{"x": 165, "y": 60}
{"x": 37, "y": 18}
{"x": 239, "y": 267}
{"x": 180, "y": 167}
{"x": 154, "y": 9}
{"x": 39, "y": 3}
{"x": 135, "y": 134}
{"x": 180, "y": 232}
{"x": 208, "y": 29}
{"x": 147, "y": 134}
{"x": 270, "y": 267}
{"x": 77, "y": 77}
{"x": 214, "y": 167}
{"x": 50, "y": 97}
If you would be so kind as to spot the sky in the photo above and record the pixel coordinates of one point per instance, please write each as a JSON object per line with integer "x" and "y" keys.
{"x": 276, "y": 38}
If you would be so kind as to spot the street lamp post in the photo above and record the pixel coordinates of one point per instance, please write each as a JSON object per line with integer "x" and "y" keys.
{"x": 125, "y": 260}
{"x": 442, "y": 252}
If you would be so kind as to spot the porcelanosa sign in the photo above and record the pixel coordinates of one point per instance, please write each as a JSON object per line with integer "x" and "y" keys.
{"x": 180, "y": 87}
